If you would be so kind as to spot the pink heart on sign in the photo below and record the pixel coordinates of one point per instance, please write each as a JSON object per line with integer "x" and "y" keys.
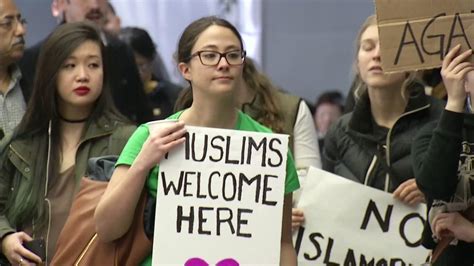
{"x": 201, "y": 262}
{"x": 227, "y": 262}
{"x": 196, "y": 262}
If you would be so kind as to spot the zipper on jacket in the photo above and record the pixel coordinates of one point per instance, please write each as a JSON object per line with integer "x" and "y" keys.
{"x": 48, "y": 202}
{"x": 387, "y": 142}
{"x": 387, "y": 181}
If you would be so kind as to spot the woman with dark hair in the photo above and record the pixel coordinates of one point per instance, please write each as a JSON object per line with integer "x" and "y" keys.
{"x": 210, "y": 57}
{"x": 69, "y": 119}
{"x": 161, "y": 93}
{"x": 281, "y": 112}
{"x": 372, "y": 144}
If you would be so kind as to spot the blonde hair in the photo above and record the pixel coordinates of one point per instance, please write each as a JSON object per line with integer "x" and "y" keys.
{"x": 359, "y": 85}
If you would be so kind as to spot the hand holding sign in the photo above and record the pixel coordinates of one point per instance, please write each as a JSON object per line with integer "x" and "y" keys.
{"x": 221, "y": 195}
{"x": 409, "y": 193}
{"x": 455, "y": 67}
{"x": 349, "y": 229}
{"x": 297, "y": 218}
{"x": 164, "y": 136}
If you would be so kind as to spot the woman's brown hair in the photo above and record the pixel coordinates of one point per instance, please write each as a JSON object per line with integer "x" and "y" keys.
{"x": 268, "y": 113}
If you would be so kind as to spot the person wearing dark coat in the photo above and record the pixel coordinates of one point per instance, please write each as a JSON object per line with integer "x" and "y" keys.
{"x": 161, "y": 93}
{"x": 443, "y": 157}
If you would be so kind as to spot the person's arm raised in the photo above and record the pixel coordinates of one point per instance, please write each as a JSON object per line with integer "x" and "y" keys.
{"x": 454, "y": 69}
{"x": 114, "y": 213}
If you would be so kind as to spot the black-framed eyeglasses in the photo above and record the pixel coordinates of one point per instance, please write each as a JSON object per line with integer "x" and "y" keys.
{"x": 11, "y": 23}
{"x": 212, "y": 58}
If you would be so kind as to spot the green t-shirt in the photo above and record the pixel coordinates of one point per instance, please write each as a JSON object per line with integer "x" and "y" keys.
{"x": 244, "y": 122}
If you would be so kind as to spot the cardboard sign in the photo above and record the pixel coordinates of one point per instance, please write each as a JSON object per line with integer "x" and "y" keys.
{"x": 351, "y": 224}
{"x": 220, "y": 199}
{"x": 418, "y": 34}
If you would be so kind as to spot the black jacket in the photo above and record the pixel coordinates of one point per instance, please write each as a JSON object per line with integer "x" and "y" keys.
{"x": 353, "y": 150}
{"x": 124, "y": 79}
{"x": 443, "y": 157}
{"x": 163, "y": 99}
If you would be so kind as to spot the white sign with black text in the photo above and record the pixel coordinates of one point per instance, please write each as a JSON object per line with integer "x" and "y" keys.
{"x": 347, "y": 223}
{"x": 220, "y": 199}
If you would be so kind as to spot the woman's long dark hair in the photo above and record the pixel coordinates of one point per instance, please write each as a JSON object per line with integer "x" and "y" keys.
{"x": 42, "y": 110}
{"x": 139, "y": 40}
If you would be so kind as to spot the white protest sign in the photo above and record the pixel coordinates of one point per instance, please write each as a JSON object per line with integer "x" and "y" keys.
{"x": 220, "y": 199}
{"x": 351, "y": 224}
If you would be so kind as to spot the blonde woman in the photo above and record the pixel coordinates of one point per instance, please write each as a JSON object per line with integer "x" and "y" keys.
{"x": 372, "y": 144}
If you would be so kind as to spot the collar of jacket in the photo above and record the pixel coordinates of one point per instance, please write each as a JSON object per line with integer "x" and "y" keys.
{"x": 254, "y": 107}
{"x": 251, "y": 108}
{"x": 361, "y": 121}
{"x": 97, "y": 128}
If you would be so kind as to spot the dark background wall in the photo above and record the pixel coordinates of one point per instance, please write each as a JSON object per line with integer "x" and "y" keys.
{"x": 307, "y": 44}
{"x": 38, "y": 15}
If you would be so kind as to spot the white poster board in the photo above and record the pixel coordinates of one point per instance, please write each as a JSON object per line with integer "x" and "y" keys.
{"x": 220, "y": 199}
{"x": 351, "y": 224}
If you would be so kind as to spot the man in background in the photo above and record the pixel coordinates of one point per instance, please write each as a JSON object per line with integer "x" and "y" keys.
{"x": 12, "y": 45}
{"x": 113, "y": 23}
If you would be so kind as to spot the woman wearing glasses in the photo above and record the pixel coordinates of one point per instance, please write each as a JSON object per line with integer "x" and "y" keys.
{"x": 210, "y": 57}
{"x": 283, "y": 113}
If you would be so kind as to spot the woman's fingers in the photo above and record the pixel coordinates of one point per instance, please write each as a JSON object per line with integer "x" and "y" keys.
{"x": 459, "y": 59}
{"x": 416, "y": 200}
{"x": 13, "y": 248}
{"x": 405, "y": 188}
{"x": 170, "y": 145}
{"x": 460, "y": 68}
{"x": 167, "y": 129}
{"x": 297, "y": 218}
{"x": 29, "y": 256}
{"x": 409, "y": 193}
{"x": 449, "y": 57}
{"x": 174, "y": 135}
{"x": 466, "y": 70}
